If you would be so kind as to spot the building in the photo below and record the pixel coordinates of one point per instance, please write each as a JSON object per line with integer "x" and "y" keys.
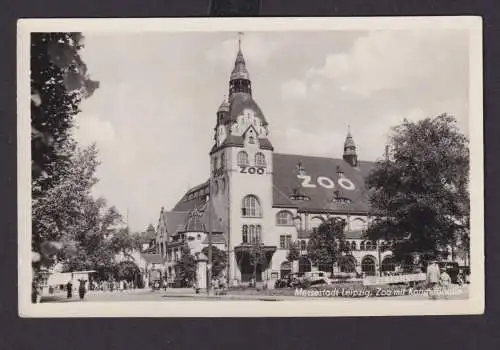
{"x": 259, "y": 195}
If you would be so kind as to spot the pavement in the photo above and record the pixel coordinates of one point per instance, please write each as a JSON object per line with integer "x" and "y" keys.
{"x": 178, "y": 294}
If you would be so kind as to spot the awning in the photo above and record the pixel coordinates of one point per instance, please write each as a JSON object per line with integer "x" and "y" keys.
{"x": 58, "y": 278}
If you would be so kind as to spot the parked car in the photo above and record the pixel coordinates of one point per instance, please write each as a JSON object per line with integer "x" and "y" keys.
{"x": 316, "y": 277}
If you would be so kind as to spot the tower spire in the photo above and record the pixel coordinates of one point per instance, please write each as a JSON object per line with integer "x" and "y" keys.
{"x": 350, "y": 155}
{"x": 240, "y": 79}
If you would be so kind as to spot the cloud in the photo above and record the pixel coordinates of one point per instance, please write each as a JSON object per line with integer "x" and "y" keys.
{"x": 294, "y": 89}
{"x": 383, "y": 60}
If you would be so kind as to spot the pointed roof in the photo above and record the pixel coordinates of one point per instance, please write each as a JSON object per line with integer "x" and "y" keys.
{"x": 349, "y": 141}
{"x": 349, "y": 145}
{"x": 224, "y": 106}
{"x": 240, "y": 69}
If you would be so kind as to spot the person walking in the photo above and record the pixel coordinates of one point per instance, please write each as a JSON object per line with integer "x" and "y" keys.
{"x": 69, "y": 290}
{"x": 433, "y": 276}
{"x": 444, "y": 282}
{"x": 81, "y": 289}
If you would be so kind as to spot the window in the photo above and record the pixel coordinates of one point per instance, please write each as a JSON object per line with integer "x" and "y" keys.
{"x": 242, "y": 158}
{"x": 251, "y": 140}
{"x": 222, "y": 161}
{"x": 362, "y": 246}
{"x": 285, "y": 241}
{"x": 245, "y": 234}
{"x": 284, "y": 218}
{"x": 353, "y": 245}
{"x": 303, "y": 245}
{"x": 250, "y": 206}
{"x": 215, "y": 164}
{"x": 258, "y": 230}
{"x": 251, "y": 233}
{"x": 198, "y": 236}
{"x": 260, "y": 159}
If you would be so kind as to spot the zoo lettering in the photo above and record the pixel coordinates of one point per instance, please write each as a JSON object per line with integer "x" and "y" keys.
{"x": 326, "y": 182}
{"x": 251, "y": 170}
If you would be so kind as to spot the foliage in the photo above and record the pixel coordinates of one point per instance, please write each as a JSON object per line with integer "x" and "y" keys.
{"x": 419, "y": 193}
{"x": 64, "y": 212}
{"x": 219, "y": 260}
{"x": 257, "y": 256}
{"x": 327, "y": 243}
{"x": 126, "y": 270}
{"x": 59, "y": 82}
{"x": 186, "y": 266}
{"x": 293, "y": 252}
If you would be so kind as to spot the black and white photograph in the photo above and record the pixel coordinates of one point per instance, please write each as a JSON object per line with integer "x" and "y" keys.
{"x": 203, "y": 167}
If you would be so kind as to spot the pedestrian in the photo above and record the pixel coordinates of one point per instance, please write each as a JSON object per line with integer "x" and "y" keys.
{"x": 444, "y": 282}
{"x": 69, "y": 289}
{"x": 81, "y": 289}
{"x": 433, "y": 275}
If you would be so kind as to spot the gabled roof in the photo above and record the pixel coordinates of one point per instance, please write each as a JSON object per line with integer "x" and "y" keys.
{"x": 285, "y": 181}
{"x": 174, "y": 220}
{"x": 321, "y": 199}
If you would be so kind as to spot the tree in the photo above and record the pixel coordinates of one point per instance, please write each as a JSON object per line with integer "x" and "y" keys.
{"x": 257, "y": 256}
{"x": 127, "y": 270}
{"x": 59, "y": 81}
{"x": 419, "y": 193}
{"x": 219, "y": 260}
{"x": 186, "y": 266}
{"x": 327, "y": 243}
{"x": 64, "y": 212}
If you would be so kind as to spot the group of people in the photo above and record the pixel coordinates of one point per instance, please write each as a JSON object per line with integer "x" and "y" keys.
{"x": 437, "y": 279}
{"x": 81, "y": 289}
{"x": 111, "y": 286}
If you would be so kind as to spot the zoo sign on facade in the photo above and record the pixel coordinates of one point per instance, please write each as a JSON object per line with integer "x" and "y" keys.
{"x": 326, "y": 182}
{"x": 251, "y": 170}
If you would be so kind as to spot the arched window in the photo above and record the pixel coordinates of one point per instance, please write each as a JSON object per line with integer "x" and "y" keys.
{"x": 245, "y": 234}
{"x": 302, "y": 245}
{"x": 250, "y": 206}
{"x": 242, "y": 158}
{"x": 260, "y": 159}
{"x": 284, "y": 218}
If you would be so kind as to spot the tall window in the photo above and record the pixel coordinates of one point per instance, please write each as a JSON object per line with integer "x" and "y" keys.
{"x": 260, "y": 159}
{"x": 303, "y": 245}
{"x": 242, "y": 158}
{"x": 258, "y": 230}
{"x": 215, "y": 163}
{"x": 285, "y": 241}
{"x": 250, "y": 206}
{"x": 252, "y": 234}
{"x": 284, "y": 218}
{"x": 251, "y": 140}
{"x": 353, "y": 245}
{"x": 222, "y": 161}
{"x": 245, "y": 234}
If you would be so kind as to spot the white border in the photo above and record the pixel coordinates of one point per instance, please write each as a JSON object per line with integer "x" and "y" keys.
{"x": 324, "y": 307}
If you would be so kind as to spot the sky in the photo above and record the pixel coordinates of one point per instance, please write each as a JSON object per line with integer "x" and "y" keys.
{"x": 153, "y": 115}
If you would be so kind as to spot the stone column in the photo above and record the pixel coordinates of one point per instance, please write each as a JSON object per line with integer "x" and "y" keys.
{"x": 201, "y": 271}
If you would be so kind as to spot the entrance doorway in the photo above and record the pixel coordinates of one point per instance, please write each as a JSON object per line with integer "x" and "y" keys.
{"x": 368, "y": 265}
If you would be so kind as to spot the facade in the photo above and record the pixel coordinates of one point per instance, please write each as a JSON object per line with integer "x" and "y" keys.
{"x": 257, "y": 196}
